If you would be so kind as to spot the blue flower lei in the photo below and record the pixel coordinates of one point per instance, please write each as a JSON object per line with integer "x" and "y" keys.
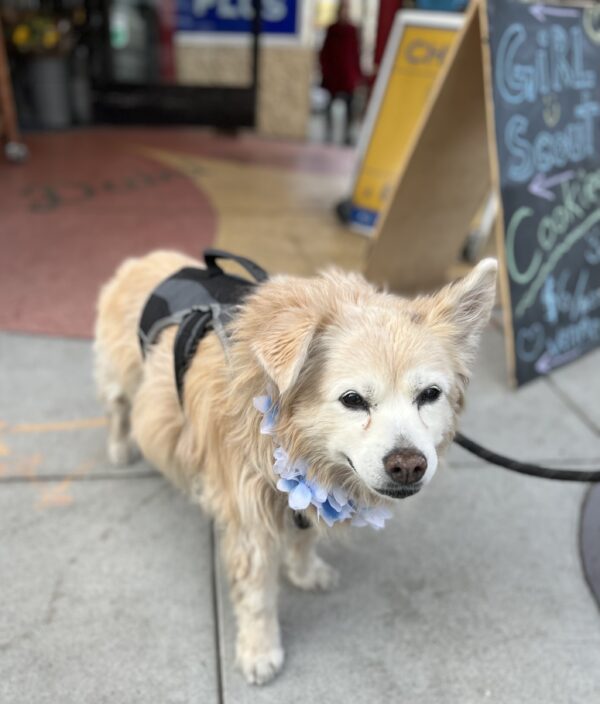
{"x": 333, "y": 506}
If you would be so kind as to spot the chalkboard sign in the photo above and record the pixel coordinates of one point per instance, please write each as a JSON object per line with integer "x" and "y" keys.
{"x": 545, "y": 64}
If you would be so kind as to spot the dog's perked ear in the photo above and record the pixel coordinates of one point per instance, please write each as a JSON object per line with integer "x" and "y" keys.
{"x": 462, "y": 309}
{"x": 284, "y": 340}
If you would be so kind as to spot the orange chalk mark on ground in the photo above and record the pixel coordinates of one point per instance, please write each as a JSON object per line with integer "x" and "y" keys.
{"x": 4, "y": 448}
{"x": 29, "y": 466}
{"x": 60, "y": 494}
{"x": 65, "y": 425}
{"x": 57, "y": 494}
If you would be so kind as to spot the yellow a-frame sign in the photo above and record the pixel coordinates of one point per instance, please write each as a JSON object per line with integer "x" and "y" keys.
{"x": 515, "y": 111}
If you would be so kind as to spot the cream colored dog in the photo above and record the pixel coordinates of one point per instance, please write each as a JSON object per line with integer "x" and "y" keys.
{"x": 368, "y": 387}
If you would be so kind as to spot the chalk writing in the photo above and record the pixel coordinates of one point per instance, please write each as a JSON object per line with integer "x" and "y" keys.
{"x": 570, "y": 295}
{"x": 542, "y": 186}
{"x": 557, "y": 63}
{"x": 579, "y": 197}
{"x": 548, "y": 150}
{"x": 591, "y": 23}
{"x": 545, "y": 63}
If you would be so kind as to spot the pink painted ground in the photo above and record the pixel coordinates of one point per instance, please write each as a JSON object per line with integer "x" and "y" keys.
{"x": 85, "y": 200}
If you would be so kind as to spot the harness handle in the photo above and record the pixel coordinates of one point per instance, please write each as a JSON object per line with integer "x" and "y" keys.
{"x": 211, "y": 256}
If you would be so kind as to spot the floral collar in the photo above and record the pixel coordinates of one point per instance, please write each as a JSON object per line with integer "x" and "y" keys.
{"x": 332, "y": 506}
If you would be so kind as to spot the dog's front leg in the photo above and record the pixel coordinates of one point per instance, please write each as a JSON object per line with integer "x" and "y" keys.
{"x": 252, "y": 558}
{"x": 303, "y": 567}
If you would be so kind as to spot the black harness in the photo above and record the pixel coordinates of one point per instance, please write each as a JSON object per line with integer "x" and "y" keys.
{"x": 198, "y": 301}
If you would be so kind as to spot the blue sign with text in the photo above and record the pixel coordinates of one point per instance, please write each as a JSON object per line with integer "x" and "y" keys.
{"x": 278, "y": 17}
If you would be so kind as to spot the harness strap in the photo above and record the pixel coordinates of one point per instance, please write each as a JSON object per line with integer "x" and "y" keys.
{"x": 211, "y": 256}
{"x": 191, "y": 330}
{"x": 197, "y": 301}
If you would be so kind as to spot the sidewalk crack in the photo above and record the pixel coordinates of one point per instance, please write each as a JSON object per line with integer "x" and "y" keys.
{"x": 216, "y": 613}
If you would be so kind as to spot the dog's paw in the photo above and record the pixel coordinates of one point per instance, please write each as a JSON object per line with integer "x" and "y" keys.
{"x": 122, "y": 452}
{"x": 318, "y": 577}
{"x": 260, "y": 667}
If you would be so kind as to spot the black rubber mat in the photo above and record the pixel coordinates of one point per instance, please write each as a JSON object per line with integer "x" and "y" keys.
{"x": 590, "y": 539}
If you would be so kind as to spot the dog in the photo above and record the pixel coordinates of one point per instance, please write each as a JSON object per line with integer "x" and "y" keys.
{"x": 358, "y": 391}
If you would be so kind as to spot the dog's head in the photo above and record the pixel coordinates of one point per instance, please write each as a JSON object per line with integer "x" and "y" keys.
{"x": 370, "y": 384}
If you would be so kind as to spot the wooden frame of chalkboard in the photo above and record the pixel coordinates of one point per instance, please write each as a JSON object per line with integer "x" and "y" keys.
{"x": 495, "y": 175}
{"x": 515, "y": 110}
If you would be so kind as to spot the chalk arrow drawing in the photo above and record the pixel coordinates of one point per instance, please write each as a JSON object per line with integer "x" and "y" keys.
{"x": 540, "y": 12}
{"x": 540, "y": 185}
{"x": 547, "y": 363}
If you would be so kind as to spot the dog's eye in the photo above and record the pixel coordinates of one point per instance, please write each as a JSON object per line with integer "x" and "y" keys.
{"x": 354, "y": 401}
{"x": 429, "y": 395}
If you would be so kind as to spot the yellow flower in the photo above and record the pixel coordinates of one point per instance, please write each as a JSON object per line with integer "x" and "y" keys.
{"x": 50, "y": 38}
{"x": 21, "y": 35}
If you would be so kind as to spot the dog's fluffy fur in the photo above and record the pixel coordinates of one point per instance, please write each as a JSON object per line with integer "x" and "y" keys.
{"x": 307, "y": 342}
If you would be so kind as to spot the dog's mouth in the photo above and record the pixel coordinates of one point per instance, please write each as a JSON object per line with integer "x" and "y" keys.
{"x": 401, "y": 492}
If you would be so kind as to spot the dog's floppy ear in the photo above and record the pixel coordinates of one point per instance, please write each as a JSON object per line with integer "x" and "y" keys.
{"x": 283, "y": 346}
{"x": 462, "y": 309}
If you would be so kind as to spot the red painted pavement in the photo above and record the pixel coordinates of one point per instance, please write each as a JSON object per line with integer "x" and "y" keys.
{"x": 85, "y": 200}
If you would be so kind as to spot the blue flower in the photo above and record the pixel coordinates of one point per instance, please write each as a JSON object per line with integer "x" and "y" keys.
{"x": 270, "y": 410}
{"x": 300, "y": 495}
{"x": 332, "y": 513}
{"x": 375, "y": 516}
{"x": 302, "y": 492}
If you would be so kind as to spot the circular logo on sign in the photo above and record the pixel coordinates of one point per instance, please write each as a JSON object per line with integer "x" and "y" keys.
{"x": 551, "y": 111}
{"x": 591, "y": 23}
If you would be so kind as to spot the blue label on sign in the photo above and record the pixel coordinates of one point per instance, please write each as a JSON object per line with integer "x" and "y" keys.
{"x": 278, "y": 16}
{"x": 364, "y": 218}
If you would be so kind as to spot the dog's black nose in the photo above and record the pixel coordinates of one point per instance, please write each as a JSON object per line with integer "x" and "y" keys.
{"x": 405, "y": 466}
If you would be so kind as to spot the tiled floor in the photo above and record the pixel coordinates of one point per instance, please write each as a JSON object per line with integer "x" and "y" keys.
{"x": 110, "y": 583}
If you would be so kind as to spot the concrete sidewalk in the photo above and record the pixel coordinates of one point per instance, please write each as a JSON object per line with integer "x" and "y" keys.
{"x": 111, "y": 591}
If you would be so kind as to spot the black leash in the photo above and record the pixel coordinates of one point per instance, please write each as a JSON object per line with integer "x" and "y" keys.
{"x": 532, "y": 470}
